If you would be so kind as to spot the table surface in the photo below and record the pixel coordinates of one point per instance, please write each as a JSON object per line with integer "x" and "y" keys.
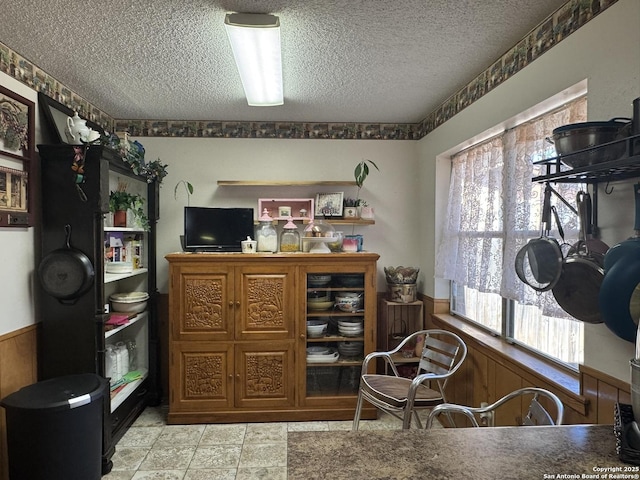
{"x": 548, "y": 452}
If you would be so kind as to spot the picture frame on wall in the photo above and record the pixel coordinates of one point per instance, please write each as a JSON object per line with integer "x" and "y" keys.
{"x": 329, "y": 204}
{"x": 17, "y": 154}
{"x": 17, "y": 125}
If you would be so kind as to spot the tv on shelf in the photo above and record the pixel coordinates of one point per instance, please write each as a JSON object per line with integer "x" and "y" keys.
{"x": 210, "y": 229}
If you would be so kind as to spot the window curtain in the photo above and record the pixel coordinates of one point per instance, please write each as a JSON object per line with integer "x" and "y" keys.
{"x": 494, "y": 209}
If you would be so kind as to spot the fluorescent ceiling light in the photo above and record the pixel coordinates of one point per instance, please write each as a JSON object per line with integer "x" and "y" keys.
{"x": 255, "y": 41}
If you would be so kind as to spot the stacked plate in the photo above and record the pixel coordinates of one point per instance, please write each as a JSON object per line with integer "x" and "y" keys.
{"x": 318, "y": 354}
{"x": 350, "y": 328}
{"x": 318, "y": 280}
{"x": 351, "y": 349}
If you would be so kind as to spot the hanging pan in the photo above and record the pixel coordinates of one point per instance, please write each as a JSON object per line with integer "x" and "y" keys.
{"x": 582, "y": 274}
{"x": 620, "y": 295}
{"x": 596, "y": 247}
{"x": 66, "y": 273}
{"x": 539, "y": 262}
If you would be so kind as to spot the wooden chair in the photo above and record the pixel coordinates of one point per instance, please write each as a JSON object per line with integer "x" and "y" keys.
{"x": 536, "y": 414}
{"x": 442, "y": 354}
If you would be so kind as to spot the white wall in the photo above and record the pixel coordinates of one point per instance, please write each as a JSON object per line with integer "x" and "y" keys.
{"x": 606, "y": 52}
{"x": 17, "y": 252}
{"x": 391, "y": 191}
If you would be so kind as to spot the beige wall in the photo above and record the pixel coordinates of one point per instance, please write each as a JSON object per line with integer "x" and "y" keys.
{"x": 391, "y": 191}
{"x": 605, "y": 52}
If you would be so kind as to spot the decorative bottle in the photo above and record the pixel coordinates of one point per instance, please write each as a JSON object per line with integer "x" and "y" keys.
{"x": 290, "y": 237}
{"x": 266, "y": 234}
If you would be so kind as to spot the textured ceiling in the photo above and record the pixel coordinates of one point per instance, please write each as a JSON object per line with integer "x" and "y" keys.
{"x": 390, "y": 61}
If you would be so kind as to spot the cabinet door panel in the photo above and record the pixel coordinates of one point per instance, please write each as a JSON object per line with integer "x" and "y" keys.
{"x": 264, "y": 375}
{"x": 205, "y": 307}
{"x": 266, "y": 297}
{"x": 201, "y": 376}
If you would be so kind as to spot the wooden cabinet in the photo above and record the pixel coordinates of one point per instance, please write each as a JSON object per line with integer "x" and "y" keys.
{"x": 74, "y": 335}
{"x": 238, "y": 338}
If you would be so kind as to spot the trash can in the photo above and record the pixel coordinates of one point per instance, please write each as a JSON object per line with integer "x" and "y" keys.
{"x": 54, "y": 429}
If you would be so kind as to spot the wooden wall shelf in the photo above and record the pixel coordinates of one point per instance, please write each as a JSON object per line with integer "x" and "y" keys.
{"x": 289, "y": 183}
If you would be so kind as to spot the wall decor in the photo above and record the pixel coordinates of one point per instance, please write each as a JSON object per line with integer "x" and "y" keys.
{"x": 55, "y": 116}
{"x": 17, "y": 125}
{"x": 329, "y": 204}
{"x": 17, "y": 152}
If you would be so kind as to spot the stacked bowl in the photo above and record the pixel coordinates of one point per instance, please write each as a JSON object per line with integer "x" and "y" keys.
{"x": 319, "y": 301}
{"x": 351, "y": 349}
{"x": 350, "y": 328}
{"x": 316, "y": 328}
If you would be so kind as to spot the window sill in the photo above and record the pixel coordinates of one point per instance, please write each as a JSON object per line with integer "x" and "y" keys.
{"x": 564, "y": 382}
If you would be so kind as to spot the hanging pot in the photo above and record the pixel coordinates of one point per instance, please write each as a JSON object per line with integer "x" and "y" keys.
{"x": 582, "y": 274}
{"x": 66, "y": 273}
{"x": 619, "y": 296}
{"x": 596, "y": 247}
{"x": 539, "y": 262}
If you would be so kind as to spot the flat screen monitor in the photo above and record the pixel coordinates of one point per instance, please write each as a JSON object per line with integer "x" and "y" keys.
{"x": 208, "y": 229}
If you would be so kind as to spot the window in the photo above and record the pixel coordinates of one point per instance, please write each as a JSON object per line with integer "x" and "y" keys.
{"x": 493, "y": 210}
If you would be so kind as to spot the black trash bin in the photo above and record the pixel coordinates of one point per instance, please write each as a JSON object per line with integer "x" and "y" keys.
{"x": 54, "y": 429}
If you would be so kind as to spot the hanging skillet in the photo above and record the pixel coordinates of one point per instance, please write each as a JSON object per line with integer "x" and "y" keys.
{"x": 619, "y": 296}
{"x": 579, "y": 285}
{"x": 539, "y": 262}
{"x": 66, "y": 273}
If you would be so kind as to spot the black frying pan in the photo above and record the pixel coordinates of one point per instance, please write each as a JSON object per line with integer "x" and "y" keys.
{"x": 66, "y": 273}
{"x": 579, "y": 284}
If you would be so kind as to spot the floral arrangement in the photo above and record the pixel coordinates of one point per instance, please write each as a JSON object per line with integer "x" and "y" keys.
{"x": 13, "y": 126}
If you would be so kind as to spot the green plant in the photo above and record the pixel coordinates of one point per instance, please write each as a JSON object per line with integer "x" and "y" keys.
{"x": 120, "y": 199}
{"x": 188, "y": 188}
{"x": 360, "y": 174}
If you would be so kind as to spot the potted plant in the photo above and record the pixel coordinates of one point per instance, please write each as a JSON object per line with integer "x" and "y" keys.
{"x": 120, "y": 201}
{"x": 188, "y": 188}
{"x": 360, "y": 173}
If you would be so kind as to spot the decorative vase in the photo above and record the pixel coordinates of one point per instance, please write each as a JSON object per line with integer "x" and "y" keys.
{"x": 120, "y": 218}
{"x": 350, "y": 212}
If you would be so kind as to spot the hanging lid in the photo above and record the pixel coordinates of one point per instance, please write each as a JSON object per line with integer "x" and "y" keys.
{"x": 290, "y": 225}
{"x": 265, "y": 216}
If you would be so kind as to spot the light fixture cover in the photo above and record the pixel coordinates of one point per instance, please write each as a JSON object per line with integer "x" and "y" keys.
{"x": 255, "y": 41}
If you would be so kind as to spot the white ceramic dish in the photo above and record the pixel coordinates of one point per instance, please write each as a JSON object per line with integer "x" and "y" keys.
{"x": 118, "y": 267}
{"x": 318, "y": 350}
{"x": 131, "y": 302}
{"x": 329, "y": 358}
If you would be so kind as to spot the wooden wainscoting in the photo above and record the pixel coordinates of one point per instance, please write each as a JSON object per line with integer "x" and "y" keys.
{"x": 18, "y": 368}
{"x": 494, "y": 368}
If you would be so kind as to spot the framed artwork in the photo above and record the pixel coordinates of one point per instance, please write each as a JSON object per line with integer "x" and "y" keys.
{"x": 56, "y": 114}
{"x": 17, "y": 125}
{"x": 329, "y": 204}
{"x": 17, "y": 152}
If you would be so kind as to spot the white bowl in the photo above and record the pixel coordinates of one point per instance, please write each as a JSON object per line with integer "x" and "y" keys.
{"x": 131, "y": 302}
{"x": 349, "y": 302}
{"x": 316, "y": 328}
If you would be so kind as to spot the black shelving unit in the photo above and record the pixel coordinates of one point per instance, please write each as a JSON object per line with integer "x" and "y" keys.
{"x": 73, "y": 332}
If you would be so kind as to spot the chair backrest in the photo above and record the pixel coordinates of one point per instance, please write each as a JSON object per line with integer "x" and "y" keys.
{"x": 442, "y": 354}
{"x": 536, "y": 413}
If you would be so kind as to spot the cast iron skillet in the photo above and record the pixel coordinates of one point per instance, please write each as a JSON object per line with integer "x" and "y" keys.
{"x": 66, "y": 273}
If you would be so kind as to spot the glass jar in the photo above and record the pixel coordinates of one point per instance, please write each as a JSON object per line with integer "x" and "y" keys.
{"x": 266, "y": 234}
{"x": 290, "y": 237}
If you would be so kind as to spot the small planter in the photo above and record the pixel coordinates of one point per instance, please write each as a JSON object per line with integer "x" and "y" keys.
{"x": 120, "y": 218}
{"x": 350, "y": 212}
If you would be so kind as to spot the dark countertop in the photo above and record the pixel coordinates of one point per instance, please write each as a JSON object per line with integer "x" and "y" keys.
{"x": 555, "y": 452}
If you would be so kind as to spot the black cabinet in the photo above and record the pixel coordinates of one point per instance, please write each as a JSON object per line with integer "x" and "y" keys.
{"x": 74, "y": 333}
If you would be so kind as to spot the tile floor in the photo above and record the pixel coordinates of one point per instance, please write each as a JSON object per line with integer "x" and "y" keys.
{"x": 151, "y": 449}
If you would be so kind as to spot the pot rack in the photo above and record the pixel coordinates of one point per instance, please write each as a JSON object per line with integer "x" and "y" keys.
{"x": 625, "y": 167}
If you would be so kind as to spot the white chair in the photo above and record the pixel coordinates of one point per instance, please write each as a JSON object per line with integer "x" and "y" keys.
{"x": 536, "y": 414}
{"x": 442, "y": 354}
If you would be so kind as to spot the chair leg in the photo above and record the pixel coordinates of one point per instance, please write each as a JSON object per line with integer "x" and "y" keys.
{"x": 356, "y": 416}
